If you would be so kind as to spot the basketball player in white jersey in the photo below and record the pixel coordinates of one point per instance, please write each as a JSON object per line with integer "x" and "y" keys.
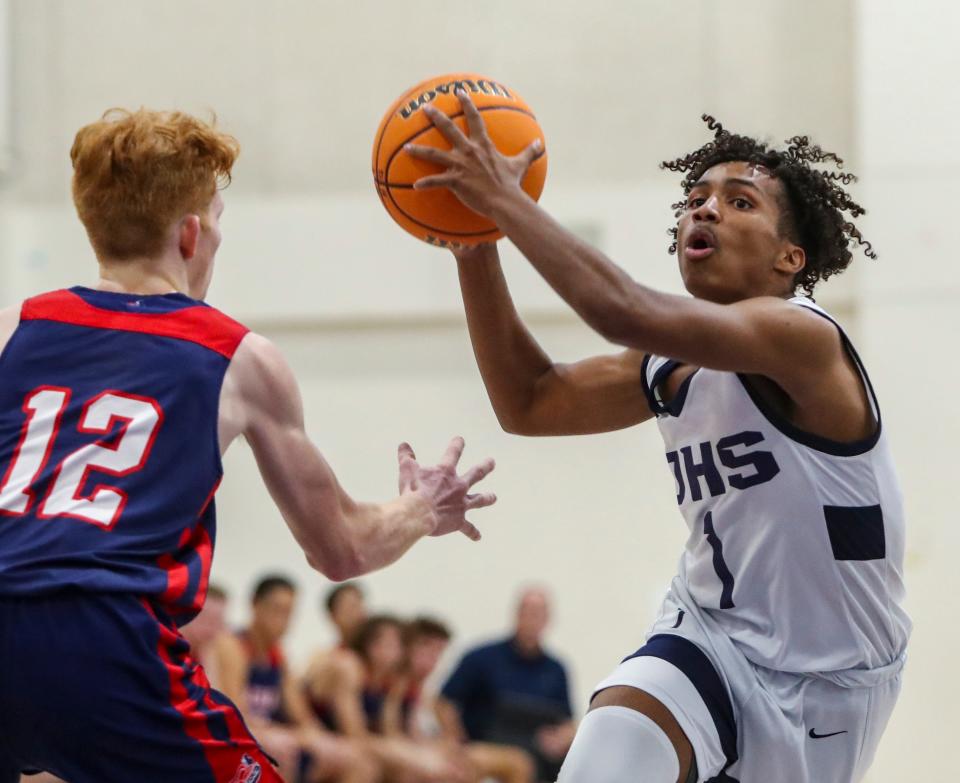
{"x": 778, "y": 651}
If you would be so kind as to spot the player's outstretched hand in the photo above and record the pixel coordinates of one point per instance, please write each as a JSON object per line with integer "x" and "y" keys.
{"x": 447, "y": 492}
{"x": 476, "y": 171}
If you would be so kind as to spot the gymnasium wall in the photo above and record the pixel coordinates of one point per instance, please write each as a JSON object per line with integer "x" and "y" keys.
{"x": 907, "y": 124}
{"x": 370, "y": 319}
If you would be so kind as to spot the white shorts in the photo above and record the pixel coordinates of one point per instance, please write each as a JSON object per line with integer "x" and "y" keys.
{"x": 751, "y": 724}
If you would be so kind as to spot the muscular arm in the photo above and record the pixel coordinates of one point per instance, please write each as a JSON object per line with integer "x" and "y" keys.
{"x": 341, "y": 537}
{"x": 764, "y": 336}
{"x": 531, "y": 394}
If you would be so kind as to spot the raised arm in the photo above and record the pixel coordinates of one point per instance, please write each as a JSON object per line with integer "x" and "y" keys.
{"x": 531, "y": 394}
{"x": 763, "y": 336}
{"x": 341, "y": 537}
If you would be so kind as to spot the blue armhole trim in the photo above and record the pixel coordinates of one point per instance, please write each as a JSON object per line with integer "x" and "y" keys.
{"x": 816, "y": 442}
{"x": 697, "y": 668}
{"x": 647, "y": 391}
{"x": 650, "y": 387}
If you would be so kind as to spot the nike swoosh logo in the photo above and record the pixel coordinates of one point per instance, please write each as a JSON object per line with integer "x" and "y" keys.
{"x": 814, "y": 735}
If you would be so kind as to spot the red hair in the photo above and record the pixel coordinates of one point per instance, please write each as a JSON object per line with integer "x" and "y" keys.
{"x": 136, "y": 173}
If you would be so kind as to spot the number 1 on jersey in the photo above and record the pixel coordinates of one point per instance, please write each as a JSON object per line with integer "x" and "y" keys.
{"x": 44, "y": 407}
{"x": 719, "y": 565}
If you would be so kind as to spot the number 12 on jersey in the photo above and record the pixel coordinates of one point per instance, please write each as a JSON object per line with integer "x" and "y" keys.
{"x": 139, "y": 418}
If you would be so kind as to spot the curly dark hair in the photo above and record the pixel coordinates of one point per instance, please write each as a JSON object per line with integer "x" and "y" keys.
{"x": 817, "y": 211}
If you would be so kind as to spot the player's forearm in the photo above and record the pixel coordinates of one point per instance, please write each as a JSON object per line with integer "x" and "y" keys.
{"x": 601, "y": 293}
{"x": 510, "y": 360}
{"x": 380, "y": 533}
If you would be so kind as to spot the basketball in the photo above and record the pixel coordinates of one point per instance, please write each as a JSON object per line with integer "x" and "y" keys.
{"x": 436, "y": 215}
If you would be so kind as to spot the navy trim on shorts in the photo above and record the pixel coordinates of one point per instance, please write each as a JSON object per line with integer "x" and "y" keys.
{"x": 697, "y": 668}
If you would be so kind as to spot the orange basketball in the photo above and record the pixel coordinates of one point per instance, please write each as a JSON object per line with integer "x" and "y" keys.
{"x": 436, "y": 215}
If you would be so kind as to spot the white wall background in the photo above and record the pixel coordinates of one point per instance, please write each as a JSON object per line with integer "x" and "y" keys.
{"x": 370, "y": 319}
{"x": 907, "y": 129}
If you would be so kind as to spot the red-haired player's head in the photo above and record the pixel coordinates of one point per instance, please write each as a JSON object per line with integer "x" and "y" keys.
{"x": 146, "y": 188}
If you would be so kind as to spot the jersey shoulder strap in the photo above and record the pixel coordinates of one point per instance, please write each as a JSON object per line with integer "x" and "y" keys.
{"x": 196, "y": 322}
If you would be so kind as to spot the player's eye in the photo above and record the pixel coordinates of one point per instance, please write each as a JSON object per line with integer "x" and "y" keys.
{"x": 742, "y": 203}
{"x": 694, "y": 202}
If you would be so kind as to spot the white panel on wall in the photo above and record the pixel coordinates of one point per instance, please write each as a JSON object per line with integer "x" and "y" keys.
{"x": 327, "y": 259}
{"x": 618, "y": 84}
{"x": 6, "y": 89}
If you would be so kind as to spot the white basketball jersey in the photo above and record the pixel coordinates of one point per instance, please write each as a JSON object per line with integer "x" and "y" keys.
{"x": 796, "y": 542}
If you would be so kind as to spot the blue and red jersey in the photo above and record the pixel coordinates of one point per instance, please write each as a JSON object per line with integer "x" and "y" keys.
{"x": 109, "y": 449}
{"x": 264, "y": 687}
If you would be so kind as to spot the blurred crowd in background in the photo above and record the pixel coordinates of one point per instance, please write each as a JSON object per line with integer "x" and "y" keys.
{"x": 367, "y": 708}
{"x": 371, "y": 708}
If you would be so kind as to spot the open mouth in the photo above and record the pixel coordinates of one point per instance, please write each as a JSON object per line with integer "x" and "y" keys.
{"x": 700, "y": 244}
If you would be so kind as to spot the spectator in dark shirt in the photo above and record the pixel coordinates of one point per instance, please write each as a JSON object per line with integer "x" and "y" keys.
{"x": 513, "y": 692}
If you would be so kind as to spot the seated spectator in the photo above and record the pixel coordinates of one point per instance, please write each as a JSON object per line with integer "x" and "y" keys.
{"x": 332, "y": 669}
{"x": 206, "y": 631}
{"x": 347, "y": 609}
{"x": 513, "y": 692}
{"x": 254, "y": 674}
{"x": 425, "y": 641}
{"x": 349, "y": 690}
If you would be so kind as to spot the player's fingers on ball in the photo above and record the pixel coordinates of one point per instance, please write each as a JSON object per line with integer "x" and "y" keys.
{"x": 478, "y": 472}
{"x": 434, "y": 181}
{"x": 430, "y": 154}
{"x": 481, "y": 499}
{"x": 446, "y": 126}
{"x": 470, "y": 531}
{"x": 451, "y": 456}
{"x": 532, "y": 152}
{"x": 478, "y": 130}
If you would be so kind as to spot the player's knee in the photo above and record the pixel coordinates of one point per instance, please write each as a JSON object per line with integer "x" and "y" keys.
{"x": 620, "y": 745}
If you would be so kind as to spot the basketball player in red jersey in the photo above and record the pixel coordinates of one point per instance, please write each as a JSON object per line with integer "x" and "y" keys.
{"x": 116, "y": 404}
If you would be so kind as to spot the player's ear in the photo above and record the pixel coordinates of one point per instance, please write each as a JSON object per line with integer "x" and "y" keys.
{"x": 792, "y": 259}
{"x": 189, "y": 230}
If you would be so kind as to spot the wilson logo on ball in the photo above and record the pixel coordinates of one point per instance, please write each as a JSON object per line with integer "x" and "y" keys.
{"x": 480, "y": 86}
{"x": 435, "y": 215}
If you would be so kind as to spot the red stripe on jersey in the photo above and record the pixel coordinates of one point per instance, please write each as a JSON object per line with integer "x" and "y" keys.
{"x": 225, "y": 758}
{"x": 203, "y": 546}
{"x": 197, "y": 540}
{"x": 178, "y": 577}
{"x": 198, "y": 324}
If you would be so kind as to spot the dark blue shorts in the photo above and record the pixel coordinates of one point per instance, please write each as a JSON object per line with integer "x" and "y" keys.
{"x": 100, "y": 688}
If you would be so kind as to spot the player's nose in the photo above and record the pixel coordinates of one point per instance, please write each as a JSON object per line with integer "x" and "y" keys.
{"x": 709, "y": 210}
